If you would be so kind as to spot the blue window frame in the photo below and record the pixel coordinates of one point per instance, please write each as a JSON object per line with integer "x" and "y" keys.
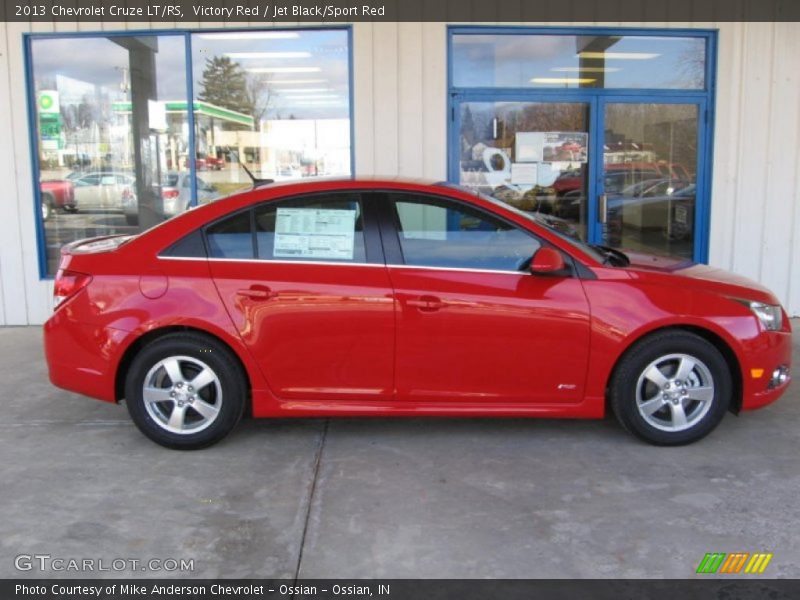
{"x": 188, "y": 153}
{"x": 684, "y": 99}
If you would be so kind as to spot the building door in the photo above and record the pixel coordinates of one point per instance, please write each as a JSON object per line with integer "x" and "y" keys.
{"x": 648, "y": 186}
{"x": 604, "y": 134}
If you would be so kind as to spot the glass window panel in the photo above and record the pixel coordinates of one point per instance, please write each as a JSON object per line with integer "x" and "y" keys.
{"x": 322, "y": 228}
{"x": 650, "y": 163}
{"x": 108, "y": 127}
{"x": 278, "y": 101}
{"x": 231, "y": 237}
{"x": 532, "y": 155}
{"x": 579, "y": 61}
{"x": 436, "y": 233}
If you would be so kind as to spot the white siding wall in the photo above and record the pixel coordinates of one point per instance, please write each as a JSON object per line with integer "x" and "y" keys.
{"x": 400, "y": 128}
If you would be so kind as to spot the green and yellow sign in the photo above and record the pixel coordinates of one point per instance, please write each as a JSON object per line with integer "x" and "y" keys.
{"x": 734, "y": 563}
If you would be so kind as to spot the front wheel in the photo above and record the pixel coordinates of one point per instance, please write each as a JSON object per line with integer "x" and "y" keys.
{"x": 185, "y": 391}
{"x": 671, "y": 388}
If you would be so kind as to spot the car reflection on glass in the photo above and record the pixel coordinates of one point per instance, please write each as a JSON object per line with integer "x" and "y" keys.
{"x": 102, "y": 190}
{"x": 176, "y": 193}
{"x": 666, "y": 204}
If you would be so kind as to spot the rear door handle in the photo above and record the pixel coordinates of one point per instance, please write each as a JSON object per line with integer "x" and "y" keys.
{"x": 426, "y": 303}
{"x": 260, "y": 292}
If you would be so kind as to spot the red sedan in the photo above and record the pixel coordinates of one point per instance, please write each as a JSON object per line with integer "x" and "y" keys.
{"x": 385, "y": 297}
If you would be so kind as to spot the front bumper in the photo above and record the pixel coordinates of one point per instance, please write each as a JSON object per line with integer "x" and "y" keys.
{"x": 765, "y": 354}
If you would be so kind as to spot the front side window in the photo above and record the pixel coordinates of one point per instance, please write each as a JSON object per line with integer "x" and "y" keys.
{"x": 441, "y": 233}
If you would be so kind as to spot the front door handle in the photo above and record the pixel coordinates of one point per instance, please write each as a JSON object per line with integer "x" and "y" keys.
{"x": 602, "y": 208}
{"x": 260, "y": 292}
{"x": 426, "y": 303}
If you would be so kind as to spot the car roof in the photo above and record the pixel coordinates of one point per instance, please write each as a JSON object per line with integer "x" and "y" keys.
{"x": 337, "y": 181}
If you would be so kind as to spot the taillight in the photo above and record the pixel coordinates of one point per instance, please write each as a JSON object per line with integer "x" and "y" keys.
{"x": 166, "y": 194}
{"x": 67, "y": 284}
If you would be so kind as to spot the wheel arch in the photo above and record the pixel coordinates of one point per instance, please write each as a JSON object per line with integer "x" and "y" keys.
{"x": 708, "y": 335}
{"x": 140, "y": 342}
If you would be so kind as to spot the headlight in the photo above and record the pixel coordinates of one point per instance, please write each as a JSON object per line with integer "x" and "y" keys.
{"x": 769, "y": 315}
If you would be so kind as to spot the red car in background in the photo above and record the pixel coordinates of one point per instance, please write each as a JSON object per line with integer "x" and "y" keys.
{"x": 205, "y": 162}
{"x": 402, "y": 298}
{"x": 56, "y": 193}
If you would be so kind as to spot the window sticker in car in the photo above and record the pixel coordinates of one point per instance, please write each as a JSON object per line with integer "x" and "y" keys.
{"x": 314, "y": 233}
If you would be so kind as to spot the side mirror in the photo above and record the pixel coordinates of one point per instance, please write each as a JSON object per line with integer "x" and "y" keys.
{"x": 547, "y": 261}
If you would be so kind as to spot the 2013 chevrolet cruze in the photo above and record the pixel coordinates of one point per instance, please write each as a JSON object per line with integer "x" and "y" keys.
{"x": 386, "y": 297}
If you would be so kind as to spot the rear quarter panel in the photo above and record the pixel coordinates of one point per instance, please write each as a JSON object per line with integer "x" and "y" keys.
{"x": 131, "y": 296}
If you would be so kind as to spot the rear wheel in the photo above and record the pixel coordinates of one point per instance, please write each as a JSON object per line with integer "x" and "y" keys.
{"x": 185, "y": 391}
{"x": 671, "y": 388}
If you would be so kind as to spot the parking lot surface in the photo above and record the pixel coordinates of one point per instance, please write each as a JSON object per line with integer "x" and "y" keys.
{"x": 346, "y": 498}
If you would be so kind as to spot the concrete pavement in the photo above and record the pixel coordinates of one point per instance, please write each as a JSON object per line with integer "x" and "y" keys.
{"x": 387, "y": 498}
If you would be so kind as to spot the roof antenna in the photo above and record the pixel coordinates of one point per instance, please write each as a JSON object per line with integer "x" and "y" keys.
{"x": 257, "y": 181}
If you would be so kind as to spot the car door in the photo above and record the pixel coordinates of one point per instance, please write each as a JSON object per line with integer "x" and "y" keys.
{"x": 474, "y": 325}
{"x": 305, "y": 283}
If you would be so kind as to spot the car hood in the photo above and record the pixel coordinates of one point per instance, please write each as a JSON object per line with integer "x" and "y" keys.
{"x": 712, "y": 278}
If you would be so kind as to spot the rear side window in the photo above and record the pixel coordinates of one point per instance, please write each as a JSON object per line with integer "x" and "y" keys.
{"x": 326, "y": 228}
{"x": 231, "y": 237}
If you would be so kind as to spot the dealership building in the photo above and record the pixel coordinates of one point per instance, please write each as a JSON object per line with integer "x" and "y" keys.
{"x": 680, "y": 139}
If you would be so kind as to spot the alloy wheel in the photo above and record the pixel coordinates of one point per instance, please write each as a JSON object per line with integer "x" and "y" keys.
{"x": 674, "y": 392}
{"x": 182, "y": 394}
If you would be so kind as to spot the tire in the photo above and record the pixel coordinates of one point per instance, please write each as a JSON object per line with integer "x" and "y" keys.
{"x": 664, "y": 376}
{"x": 175, "y": 414}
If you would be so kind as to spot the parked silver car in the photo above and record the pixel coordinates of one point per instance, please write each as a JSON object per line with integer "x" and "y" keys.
{"x": 176, "y": 193}
{"x": 103, "y": 190}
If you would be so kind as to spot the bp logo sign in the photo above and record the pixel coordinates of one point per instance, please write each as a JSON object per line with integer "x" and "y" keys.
{"x": 48, "y": 102}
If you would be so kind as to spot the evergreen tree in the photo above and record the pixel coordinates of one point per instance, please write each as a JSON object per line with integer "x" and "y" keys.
{"x": 224, "y": 84}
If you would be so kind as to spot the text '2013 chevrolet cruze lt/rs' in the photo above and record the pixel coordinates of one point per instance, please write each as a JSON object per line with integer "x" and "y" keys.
{"x": 406, "y": 298}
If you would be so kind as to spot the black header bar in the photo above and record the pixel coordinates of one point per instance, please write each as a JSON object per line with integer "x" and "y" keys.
{"x": 185, "y": 13}
{"x": 397, "y": 589}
